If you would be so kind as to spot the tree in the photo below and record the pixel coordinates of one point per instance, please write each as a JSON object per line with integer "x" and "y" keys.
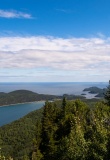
{"x": 47, "y": 145}
{"x": 72, "y": 143}
{"x": 107, "y": 95}
{"x": 64, "y": 102}
{"x": 97, "y": 133}
{"x": 37, "y": 155}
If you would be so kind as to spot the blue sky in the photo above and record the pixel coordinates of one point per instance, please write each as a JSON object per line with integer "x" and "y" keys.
{"x": 54, "y": 40}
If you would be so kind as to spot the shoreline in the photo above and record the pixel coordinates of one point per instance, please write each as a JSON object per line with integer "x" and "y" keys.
{"x": 21, "y": 103}
{"x": 91, "y": 96}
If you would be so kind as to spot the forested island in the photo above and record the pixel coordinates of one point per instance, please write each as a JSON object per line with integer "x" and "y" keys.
{"x": 95, "y": 90}
{"x": 61, "y": 130}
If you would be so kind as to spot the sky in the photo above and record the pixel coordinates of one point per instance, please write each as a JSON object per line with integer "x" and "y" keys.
{"x": 54, "y": 40}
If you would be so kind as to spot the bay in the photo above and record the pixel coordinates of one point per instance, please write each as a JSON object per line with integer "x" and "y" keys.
{"x": 14, "y": 112}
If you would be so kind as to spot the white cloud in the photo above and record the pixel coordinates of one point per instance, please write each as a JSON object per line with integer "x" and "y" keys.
{"x": 55, "y": 59}
{"x": 14, "y": 14}
{"x": 53, "y": 44}
{"x": 81, "y": 56}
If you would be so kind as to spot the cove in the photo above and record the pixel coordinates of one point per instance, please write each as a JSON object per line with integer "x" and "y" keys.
{"x": 13, "y": 112}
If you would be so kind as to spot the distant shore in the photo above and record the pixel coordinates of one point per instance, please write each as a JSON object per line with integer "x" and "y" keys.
{"x": 21, "y": 103}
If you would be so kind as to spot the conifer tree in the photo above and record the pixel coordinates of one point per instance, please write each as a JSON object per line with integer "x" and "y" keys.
{"x": 47, "y": 146}
{"x": 63, "y": 108}
{"x": 64, "y": 102}
{"x": 107, "y": 95}
{"x": 72, "y": 144}
{"x": 98, "y": 134}
{"x": 62, "y": 123}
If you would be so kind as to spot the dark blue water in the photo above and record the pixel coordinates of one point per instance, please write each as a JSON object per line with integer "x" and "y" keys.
{"x": 58, "y": 88}
{"x": 14, "y": 112}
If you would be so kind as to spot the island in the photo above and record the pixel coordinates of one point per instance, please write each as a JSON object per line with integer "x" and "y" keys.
{"x": 95, "y": 90}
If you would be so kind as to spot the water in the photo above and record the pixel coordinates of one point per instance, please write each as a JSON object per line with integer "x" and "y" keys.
{"x": 14, "y": 112}
{"x": 52, "y": 88}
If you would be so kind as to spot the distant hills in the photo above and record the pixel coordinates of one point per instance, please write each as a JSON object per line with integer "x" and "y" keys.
{"x": 22, "y": 96}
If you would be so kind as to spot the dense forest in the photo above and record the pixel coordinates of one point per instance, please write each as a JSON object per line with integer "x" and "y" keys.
{"x": 61, "y": 130}
{"x": 22, "y": 96}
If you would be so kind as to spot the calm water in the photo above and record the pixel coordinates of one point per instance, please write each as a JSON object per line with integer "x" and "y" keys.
{"x": 14, "y": 112}
{"x": 52, "y": 88}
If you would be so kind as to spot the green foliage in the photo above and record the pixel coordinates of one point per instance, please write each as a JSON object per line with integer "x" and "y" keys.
{"x": 37, "y": 155}
{"x": 107, "y": 95}
{"x": 67, "y": 130}
{"x": 21, "y": 96}
{"x": 47, "y": 146}
{"x": 17, "y": 137}
{"x": 97, "y": 132}
{"x": 64, "y": 102}
{"x": 81, "y": 133}
{"x": 72, "y": 144}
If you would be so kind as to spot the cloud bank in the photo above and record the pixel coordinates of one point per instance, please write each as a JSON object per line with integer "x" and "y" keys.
{"x": 48, "y": 58}
{"x": 58, "y": 53}
{"x": 14, "y": 14}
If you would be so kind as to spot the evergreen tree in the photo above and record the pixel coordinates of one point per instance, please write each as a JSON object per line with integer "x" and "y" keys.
{"x": 107, "y": 95}
{"x": 63, "y": 121}
{"x": 37, "y": 155}
{"x": 64, "y": 102}
{"x": 47, "y": 146}
{"x": 68, "y": 130}
{"x": 98, "y": 133}
{"x": 72, "y": 144}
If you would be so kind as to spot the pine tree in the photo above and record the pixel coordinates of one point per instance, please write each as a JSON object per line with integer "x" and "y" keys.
{"x": 62, "y": 121}
{"x": 98, "y": 133}
{"x": 72, "y": 144}
{"x": 107, "y": 95}
{"x": 64, "y": 102}
{"x": 47, "y": 145}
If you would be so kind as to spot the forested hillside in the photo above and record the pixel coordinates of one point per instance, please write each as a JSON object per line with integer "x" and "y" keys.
{"x": 22, "y": 96}
{"x": 66, "y": 130}
{"x": 16, "y": 139}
